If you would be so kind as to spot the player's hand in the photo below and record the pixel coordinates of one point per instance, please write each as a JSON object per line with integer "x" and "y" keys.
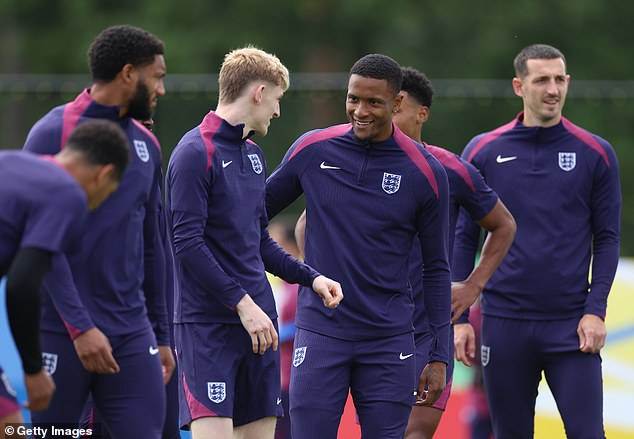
{"x": 39, "y": 390}
{"x": 464, "y": 343}
{"x": 329, "y": 291}
{"x": 463, "y": 295}
{"x": 258, "y": 325}
{"x": 167, "y": 361}
{"x": 592, "y": 333}
{"x": 431, "y": 383}
{"x": 95, "y": 353}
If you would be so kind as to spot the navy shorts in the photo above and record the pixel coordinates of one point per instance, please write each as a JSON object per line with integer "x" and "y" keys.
{"x": 379, "y": 373}
{"x": 423, "y": 343}
{"x": 221, "y": 376}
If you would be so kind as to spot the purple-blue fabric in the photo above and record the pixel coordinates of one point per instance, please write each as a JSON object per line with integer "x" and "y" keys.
{"x": 43, "y": 207}
{"x": 215, "y": 187}
{"x": 467, "y": 190}
{"x": 365, "y": 204}
{"x": 120, "y": 267}
{"x": 561, "y": 184}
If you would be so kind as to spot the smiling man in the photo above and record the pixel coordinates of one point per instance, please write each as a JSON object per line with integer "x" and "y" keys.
{"x": 370, "y": 191}
{"x": 226, "y": 322}
{"x": 540, "y": 313}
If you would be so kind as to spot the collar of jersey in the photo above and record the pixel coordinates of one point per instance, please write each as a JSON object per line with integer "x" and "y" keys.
{"x": 229, "y": 133}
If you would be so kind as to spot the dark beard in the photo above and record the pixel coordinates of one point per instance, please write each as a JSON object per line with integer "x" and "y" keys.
{"x": 139, "y": 106}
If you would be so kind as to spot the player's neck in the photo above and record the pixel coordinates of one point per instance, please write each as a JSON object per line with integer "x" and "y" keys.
{"x": 234, "y": 114}
{"x": 531, "y": 120}
{"x": 109, "y": 94}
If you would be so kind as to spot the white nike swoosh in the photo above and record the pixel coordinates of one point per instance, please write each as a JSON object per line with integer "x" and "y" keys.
{"x": 501, "y": 159}
{"x": 325, "y": 166}
{"x": 153, "y": 350}
{"x": 279, "y": 401}
{"x": 225, "y": 164}
{"x": 404, "y": 357}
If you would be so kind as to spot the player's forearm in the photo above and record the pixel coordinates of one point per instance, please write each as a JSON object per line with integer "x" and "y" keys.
{"x": 24, "y": 280}
{"x": 437, "y": 301}
{"x": 499, "y": 240}
{"x": 465, "y": 247}
{"x": 205, "y": 270}
{"x": 153, "y": 281}
{"x": 604, "y": 264}
{"x": 65, "y": 297}
{"x": 281, "y": 264}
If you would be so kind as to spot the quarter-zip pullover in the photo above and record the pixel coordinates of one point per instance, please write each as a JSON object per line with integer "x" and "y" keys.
{"x": 365, "y": 204}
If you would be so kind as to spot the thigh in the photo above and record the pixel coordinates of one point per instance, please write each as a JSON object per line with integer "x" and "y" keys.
{"x": 512, "y": 370}
{"x": 320, "y": 379}
{"x": 383, "y": 382}
{"x": 72, "y": 381}
{"x": 132, "y": 402}
{"x": 257, "y": 375}
{"x": 575, "y": 379}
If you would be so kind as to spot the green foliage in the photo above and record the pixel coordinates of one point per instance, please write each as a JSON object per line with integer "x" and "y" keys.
{"x": 447, "y": 39}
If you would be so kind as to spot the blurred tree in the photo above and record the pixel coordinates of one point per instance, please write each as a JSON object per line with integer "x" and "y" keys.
{"x": 448, "y": 39}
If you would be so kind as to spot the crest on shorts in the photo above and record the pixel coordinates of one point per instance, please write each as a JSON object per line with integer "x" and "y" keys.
{"x": 567, "y": 160}
{"x": 485, "y": 354}
{"x": 391, "y": 182}
{"x": 217, "y": 392}
{"x": 49, "y": 362}
{"x": 256, "y": 164}
{"x": 300, "y": 355}
{"x": 141, "y": 150}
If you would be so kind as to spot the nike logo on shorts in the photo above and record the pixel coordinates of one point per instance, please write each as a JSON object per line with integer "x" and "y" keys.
{"x": 404, "y": 357}
{"x": 225, "y": 164}
{"x": 153, "y": 350}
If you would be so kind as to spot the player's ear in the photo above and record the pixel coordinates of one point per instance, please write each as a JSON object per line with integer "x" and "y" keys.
{"x": 105, "y": 174}
{"x": 258, "y": 93}
{"x": 517, "y": 87}
{"x": 397, "y": 102}
{"x": 128, "y": 74}
{"x": 423, "y": 114}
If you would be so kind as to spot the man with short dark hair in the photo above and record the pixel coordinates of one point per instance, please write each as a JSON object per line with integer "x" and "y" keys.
{"x": 44, "y": 203}
{"x": 468, "y": 191}
{"x": 370, "y": 191}
{"x": 540, "y": 312}
{"x": 120, "y": 271}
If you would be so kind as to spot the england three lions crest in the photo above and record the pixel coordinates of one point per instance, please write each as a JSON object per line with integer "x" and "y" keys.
{"x": 567, "y": 160}
{"x": 49, "y": 362}
{"x": 217, "y": 392}
{"x": 141, "y": 150}
{"x": 256, "y": 164}
{"x": 300, "y": 355}
{"x": 391, "y": 183}
{"x": 485, "y": 355}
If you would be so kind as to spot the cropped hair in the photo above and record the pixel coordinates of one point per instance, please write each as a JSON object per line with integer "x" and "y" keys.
{"x": 418, "y": 86}
{"x": 379, "y": 66}
{"x": 536, "y": 51}
{"x": 101, "y": 142}
{"x": 117, "y": 46}
{"x": 243, "y": 66}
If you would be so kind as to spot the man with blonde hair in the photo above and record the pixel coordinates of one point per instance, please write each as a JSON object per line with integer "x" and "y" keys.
{"x": 215, "y": 188}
